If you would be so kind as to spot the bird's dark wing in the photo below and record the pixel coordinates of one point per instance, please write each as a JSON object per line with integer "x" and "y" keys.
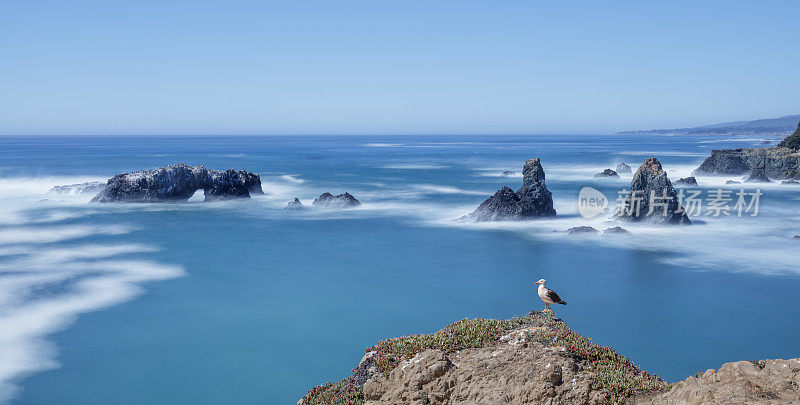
{"x": 554, "y": 297}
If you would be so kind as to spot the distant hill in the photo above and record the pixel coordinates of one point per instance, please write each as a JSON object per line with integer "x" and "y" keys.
{"x": 769, "y": 126}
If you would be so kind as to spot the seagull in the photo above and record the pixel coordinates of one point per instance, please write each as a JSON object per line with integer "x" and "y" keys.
{"x": 548, "y": 296}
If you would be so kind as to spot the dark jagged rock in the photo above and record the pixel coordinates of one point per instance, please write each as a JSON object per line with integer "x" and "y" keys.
{"x": 733, "y": 182}
{"x": 606, "y": 173}
{"x": 502, "y": 206}
{"x": 651, "y": 183}
{"x": 687, "y": 181}
{"x": 91, "y": 187}
{"x": 766, "y": 143}
{"x": 295, "y": 204}
{"x": 790, "y": 182}
{"x": 329, "y": 200}
{"x": 796, "y": 237}
{"x": 616, "y": 229}
{"x": 508, "y": 173}
{"x": 177, "y": 183}
{"x": 581, "y": 230}
{"x": 623, "y": 168}
{"x": 532, "y": 200}
{"x": 758, "y": 174}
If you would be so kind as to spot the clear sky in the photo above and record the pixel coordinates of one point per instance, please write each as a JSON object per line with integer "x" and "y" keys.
{"x": 393, "y": 67}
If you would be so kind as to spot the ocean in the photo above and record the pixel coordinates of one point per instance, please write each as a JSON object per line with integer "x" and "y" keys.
{"x": 245, "y": 302}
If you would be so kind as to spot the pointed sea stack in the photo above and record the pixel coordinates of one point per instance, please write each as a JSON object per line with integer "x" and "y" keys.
{"x": 532, "y": 200}
{"x": 651, "y": 180}
{"x": 295, "y": 204}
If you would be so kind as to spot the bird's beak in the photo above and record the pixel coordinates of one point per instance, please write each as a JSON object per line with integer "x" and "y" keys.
{"x": 536, "y": 282}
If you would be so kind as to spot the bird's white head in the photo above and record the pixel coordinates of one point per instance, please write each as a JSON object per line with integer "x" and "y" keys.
{"x": 541, "y": 282}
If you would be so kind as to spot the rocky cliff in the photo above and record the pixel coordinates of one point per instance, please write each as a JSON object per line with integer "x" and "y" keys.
{"x": 781, "y": 162}
{"x": 537, "y": 360}
{"x": 652, "y": 197}
{"x": 177, "y": 183}
{"x": 532, "y": 200}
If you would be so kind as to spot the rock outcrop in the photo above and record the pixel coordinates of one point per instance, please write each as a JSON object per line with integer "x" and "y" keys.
{"x": 329, "y": 200}
{"x": 508, "y": 173}
{"x": 538, "y": 360}
{"x": 741, "y": 382}
{"x": 790, "y": 182}
{"x": 733, "y": 182}
{"x": 532, "y": 200}
{"x": 616, "y": 230}
{"x": 606, "y": 173}
{"x": 623, "y": 168}
{"x": 686, "y": 181}
{"x": 91, "y": 187}
{"x": 581, "y": 230}
{"x": 652, "y": 197}
{"x": 295, "y": 204}
{"x": 177, "y": 183}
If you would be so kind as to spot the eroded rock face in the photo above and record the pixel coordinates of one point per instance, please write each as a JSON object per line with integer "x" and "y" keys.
{"x": 177, "y": 183}
{"x": 758, "y": 174}
{"x": 606, "y": 173}
{"x": 91, "y": 187}
{"x": 329, "y": 200}
{"x": 623, "y": 168}
{"x": 741, "y": 382}
{"x": 532, "y": 200}
{"x": 652, "y": 197}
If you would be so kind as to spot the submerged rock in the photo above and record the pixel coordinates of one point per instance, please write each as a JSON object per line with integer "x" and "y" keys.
{"x": 687, "y": 181}
{"x": 606, "y": 173}
{"x": 295, "y": 204}
{"x": 616, "y": 229}
{"x": 796, "y": 237}
{"x": 508, "y": 173}
{"x": 177, "y": 183}
{"x": 90, "y": 187}
{"x": 532, "y": 200}
{"x": 623, "y": 168}
{"x": 329, "y": 200}
{"x": 790, "y": 182}
{"x": 581, "y": 230}
{"x": 652, "y": 197}
{"x": 733, "y": 182}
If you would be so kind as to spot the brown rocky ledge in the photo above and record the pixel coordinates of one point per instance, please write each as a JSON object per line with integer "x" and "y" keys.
{"x": 538, "y": 360}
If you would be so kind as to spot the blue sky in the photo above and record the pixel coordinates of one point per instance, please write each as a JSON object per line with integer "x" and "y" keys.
{"x": 386, "y": 67}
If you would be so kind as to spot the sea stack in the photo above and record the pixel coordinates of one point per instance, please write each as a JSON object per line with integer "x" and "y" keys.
{"x": 177, "y": 183}
{"x": 606, "y": 173}
{"x": 651, "y": 183}
{"x": 758, "y": 174}
{"x": 532, "y": 200}
{"x": 623, "y": 168}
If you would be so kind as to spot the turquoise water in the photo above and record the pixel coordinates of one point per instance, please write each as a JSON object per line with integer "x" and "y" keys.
{"x": 243, "y": 302}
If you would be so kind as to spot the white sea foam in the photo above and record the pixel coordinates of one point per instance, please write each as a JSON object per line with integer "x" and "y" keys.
{"x": 44, "y": 286}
